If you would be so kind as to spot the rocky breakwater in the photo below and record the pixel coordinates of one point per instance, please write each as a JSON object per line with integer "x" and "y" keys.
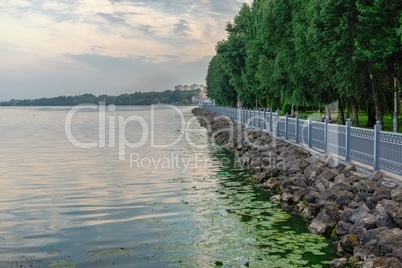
{"x": 362, "y": 213}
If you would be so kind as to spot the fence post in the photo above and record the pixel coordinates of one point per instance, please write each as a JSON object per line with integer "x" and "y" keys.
{"x": 265, "y": 123}
{"x": 286, "y": 126}
{"x": 326, "y": 134}
{"x": 259, "y": 119}
{"x": 277, "y": 122}
{"x": 234, "y": 113}
{"x": 310, "y": 128}
{"x": 270, "y": 120}
{"x": 254, "y": 117}
{"x": 377, "y": 132}
{"x": 347, "y": 141}
{"x": 297, "y": 129}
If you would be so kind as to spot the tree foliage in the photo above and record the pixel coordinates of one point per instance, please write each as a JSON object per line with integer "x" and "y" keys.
{"x": 311, "y": 53}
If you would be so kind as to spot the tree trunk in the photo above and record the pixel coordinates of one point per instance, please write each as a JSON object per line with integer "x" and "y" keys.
{"x": 355, "y": 111}
{"x": 347, "y": 112}
{"x": 328, "y": 111}
{"x": 341, "y": 112}
{"x": 371, "y": 115}
{"x": 379, "y": 111}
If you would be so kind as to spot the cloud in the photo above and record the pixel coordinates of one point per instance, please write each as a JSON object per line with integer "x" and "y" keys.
{"x": 111, "y": 18}
{"x": 92, "y": 38}
{"x": 181, "y": 28}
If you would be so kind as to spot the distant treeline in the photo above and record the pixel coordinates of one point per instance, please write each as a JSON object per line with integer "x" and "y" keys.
{"x": 280, "y": 53}
{"x": 137, "y": 98}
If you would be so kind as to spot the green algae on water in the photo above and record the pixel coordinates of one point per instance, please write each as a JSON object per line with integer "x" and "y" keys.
{"x": 109, "y": 251}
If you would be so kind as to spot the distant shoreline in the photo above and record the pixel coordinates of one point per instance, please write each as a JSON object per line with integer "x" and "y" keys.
{"x": 171, "y": 97}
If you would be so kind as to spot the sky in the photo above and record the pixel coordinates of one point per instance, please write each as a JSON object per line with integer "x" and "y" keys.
{"x": 50, "y": 48}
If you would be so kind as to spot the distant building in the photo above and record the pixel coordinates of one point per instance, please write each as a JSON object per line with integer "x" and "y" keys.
{"x": 182, "y": 88}
{"x": 201, "y": 98}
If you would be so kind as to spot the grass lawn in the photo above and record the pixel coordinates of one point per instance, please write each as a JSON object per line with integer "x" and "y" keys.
{"x": 388, "y": 119}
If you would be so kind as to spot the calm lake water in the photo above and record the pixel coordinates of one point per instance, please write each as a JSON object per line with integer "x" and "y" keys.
{"x": 116, "y": 205}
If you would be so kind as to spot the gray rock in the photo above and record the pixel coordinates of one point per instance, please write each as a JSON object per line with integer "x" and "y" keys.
{"x": 387, "y": 185}
{"x": 341, "y": 262}
{"x": 311, "y": 196}
{"x": 294, "y": 169}
{"x": 340, "y": 187}
{"x": 372, "y": 234}
{"x": 398, "y": 253}
{"x": 393, "y": 209}
{"x": 298, "y": 195}
{"x": 383, "y": 218}
{"x": 346, "y": 214}
{"x": 354, "y": 205}
{"x": 342, "y": 228}
{"x": 376, "y": 175}
{"x": 389, "y": 241}
{"x": 276, "y": 198}
{"x": 320, "y": 187}
{"x": 321, "y": 223}
{"x": 348, "y": 243}
{"x": 316, "y": 168}
{"x": 314, "y": 159}
{"x": 298, "y": 181}
{"x": 362, "y": 217}
{"x": 286, "y": 197}
{"x": 359, "y": 231}
{"x": 340, "y": 178}
{"x": 349, "y": 168}
{"x": 382, "y": 262}
{"x": 327, "y": 195}
{"x": 329, "y": 175}
{"x": 340, "y": 167}
{"x": 368, "y": 185}
{"x": 364, "y": 196}
{"x": 396, "y": 194}
{"x": 310, "y": 211}
{"x": 332, "y": 209}
{"x": 367, "y": 250}
{"x": 344, "y": 199}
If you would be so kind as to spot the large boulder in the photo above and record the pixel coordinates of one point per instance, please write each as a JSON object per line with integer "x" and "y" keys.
{"x": 363, "y": 217}
{"x": 383, "y": 218}
{"x": 341, "y": 262}
{"x": 322, "y": 223}
{"x": 368, "y": 185}
{"x": 310, "y": 211}
{"x": 382, "y": 262}
{"x": 367, "y": 250}
{"x": 347, "y": 244}
{"x": 329, "y": 175}
{"x": 311, "y": 196}
{"x": 396, "y": 194}
{"x": 342, "y": 228}
{"x": 344, "y": 198}
{"x": 389, "y": 241}
{"x": 298, "y": 195}
{"x": 393, "y": 209}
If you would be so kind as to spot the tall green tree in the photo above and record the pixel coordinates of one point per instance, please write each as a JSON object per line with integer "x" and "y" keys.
{"x": 218, "y": 84}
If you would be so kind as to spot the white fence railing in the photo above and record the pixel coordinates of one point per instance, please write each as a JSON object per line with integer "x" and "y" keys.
{"x": 379, "y": 149}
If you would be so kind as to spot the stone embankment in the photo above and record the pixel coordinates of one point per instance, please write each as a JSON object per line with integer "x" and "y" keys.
{"x": 363, "y": 213}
